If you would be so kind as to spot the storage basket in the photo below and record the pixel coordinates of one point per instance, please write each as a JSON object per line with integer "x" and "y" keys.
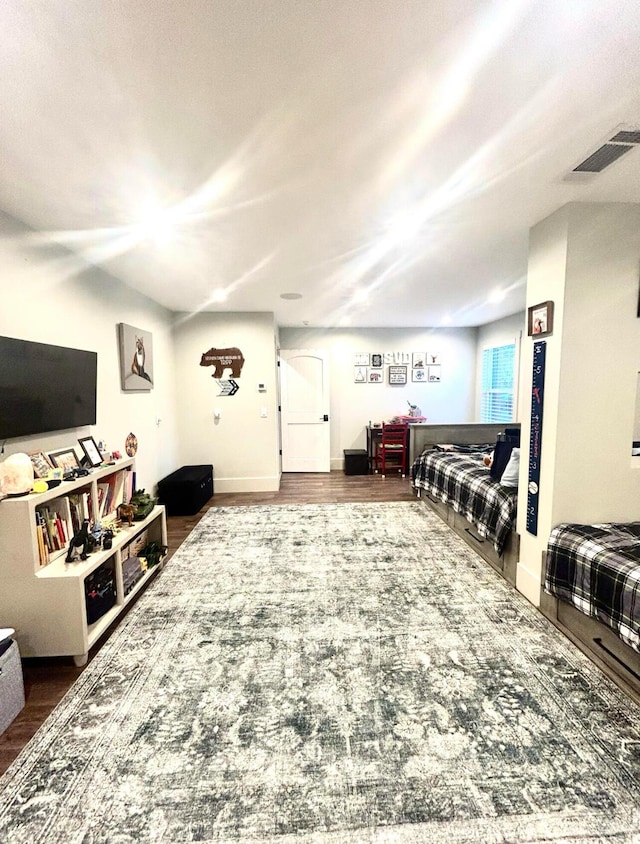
{"x": 11, "y": 685}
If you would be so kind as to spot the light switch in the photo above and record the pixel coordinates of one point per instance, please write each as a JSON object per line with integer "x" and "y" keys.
{"x": 263, "y": 412}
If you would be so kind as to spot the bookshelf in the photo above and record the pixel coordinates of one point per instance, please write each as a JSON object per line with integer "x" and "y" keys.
{"x": 41, "y": 595}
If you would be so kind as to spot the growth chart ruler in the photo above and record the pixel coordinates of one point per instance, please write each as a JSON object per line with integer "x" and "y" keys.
{"x": 535, "y": 440}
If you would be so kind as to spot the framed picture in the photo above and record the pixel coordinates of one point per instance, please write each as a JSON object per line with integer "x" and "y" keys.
{"x": 374, "y": 376}
{"x": 361, "y": 360}
{"x": 540, "y": 320}
{"x": 434, "y": 358}
{"x": 376, "y": 361}
{"x": 41, "y": 466}
{"x": 434, "y": 374}
{"x": 360, "y": 375}
{"x": 419, "y": 360}
{"x": 397, "y": 374}
{"x": 64, "y": 459}
{"x": 91, "y": 450}
{"x": 419, "y": 374}
{"x": 136, "y": 358}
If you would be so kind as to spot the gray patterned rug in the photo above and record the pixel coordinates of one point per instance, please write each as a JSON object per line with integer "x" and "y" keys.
{"x": 331, "y": 674}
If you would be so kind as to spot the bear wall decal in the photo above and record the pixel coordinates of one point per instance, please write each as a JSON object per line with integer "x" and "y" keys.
{"x": 222, "y": 359}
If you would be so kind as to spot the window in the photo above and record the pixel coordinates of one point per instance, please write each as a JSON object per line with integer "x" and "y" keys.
{"x": 497, "y": 384}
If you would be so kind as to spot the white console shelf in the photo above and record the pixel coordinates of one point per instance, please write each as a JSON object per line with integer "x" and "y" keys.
{"x": 45, "y": 603}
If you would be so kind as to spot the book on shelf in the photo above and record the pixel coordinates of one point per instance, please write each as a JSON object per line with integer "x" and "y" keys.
{"x": 79, "y": 509}
{"x": 43, "y": 550}
{"x": 103, "y": 492}
{"x": 55, "y": 521}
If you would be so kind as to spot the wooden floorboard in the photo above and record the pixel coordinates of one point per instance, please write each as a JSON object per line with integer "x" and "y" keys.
{"x": 48, "y": 679}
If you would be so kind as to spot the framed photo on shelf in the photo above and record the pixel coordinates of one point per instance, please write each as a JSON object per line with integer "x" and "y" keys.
{"x": 64, "y": 459}
{"x": 540, "y": 320}
{"x": 91, "y": 450}
{"x": 41, "y": 466}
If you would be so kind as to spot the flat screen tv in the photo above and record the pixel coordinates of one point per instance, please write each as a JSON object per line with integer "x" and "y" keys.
{"x": 45, "y": 388}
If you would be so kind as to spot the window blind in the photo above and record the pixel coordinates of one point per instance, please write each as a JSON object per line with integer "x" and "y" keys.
{"x": 497, "y": 384}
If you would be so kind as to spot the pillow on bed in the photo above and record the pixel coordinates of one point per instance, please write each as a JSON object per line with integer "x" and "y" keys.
{"x": 512, "y": 470}
{"x": 501, "y": 455}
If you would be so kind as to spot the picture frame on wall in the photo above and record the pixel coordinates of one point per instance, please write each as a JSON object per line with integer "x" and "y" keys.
{"x": 376, "y": 361}
{"x": 419, "y": 375}
{"x": 91, "y": 450}
{"x": 64, "y": 458}
{"x": 375, "y": 376}
{"x": 397, "y": 374}
{"x": 136, "y": 358}
{"x": 361, "y": 359}
{"x": 360, "y": 375}
{"x": 540, "y": 320}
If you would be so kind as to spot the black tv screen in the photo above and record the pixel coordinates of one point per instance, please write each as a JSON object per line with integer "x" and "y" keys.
{"x": 45, "y": 388}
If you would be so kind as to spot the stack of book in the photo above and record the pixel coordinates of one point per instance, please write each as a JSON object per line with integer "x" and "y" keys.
{"x": 54, "y": 528}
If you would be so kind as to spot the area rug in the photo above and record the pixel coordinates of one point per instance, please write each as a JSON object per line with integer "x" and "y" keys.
{"x": 331, "y": 674}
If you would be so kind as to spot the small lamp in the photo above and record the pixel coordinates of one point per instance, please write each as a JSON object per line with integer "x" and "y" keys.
{"x": 16, "y": 475}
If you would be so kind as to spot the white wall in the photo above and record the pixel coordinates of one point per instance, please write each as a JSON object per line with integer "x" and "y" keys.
{"x": 354, "y": 405}
{"x": 242, "y": 445}
{"x": 49, "y": 297}
{"x": 585, "y": 259}
{"x": 500, "y": 333}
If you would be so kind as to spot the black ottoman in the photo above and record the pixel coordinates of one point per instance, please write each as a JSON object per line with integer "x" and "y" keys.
{"x": 186, "y": 490}
{"x": 356, "y": 461}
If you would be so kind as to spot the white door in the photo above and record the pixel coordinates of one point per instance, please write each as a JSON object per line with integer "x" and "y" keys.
{"x": 304, "y": 399}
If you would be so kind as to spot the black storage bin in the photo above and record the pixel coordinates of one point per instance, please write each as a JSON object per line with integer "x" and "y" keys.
{"x": 186, "y": 490}
{"x": 99, "y": 592}
{"x": 356, "y": 461}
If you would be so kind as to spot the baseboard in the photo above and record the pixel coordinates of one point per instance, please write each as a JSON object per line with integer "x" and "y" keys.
{"x": 263, "y": 484}
{"x": 528, "y": 583}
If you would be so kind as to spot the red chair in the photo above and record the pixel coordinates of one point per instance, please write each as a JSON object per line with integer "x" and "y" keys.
{"x": 391, "y": 449}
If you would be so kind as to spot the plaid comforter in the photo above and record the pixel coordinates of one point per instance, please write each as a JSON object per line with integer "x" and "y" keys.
{"x": 597, "y": 569}
{"x": 464, "y": 482}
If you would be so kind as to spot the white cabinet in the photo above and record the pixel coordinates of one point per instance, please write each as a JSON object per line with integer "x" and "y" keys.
{"x": 41, "y": 595}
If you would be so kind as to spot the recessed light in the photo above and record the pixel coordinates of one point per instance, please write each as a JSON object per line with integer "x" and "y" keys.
{"x": 291, "y": 295}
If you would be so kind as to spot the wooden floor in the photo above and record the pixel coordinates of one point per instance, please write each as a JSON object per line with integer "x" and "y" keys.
{"x": 47, "y": 680}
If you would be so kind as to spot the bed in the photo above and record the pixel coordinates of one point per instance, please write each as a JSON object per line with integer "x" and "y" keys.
{"x": 592, "y": 575}
{"x": 459, "y": 487}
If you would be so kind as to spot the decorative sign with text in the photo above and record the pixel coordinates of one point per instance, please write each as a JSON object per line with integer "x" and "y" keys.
{"x": 222, "y": 360}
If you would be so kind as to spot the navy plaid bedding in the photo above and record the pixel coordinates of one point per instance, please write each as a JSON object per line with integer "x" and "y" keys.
{"x": 464, "y": 482}
{"x": 596, "y": 568}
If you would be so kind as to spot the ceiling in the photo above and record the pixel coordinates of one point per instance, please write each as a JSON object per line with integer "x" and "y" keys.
{"x": 384, "y": 159}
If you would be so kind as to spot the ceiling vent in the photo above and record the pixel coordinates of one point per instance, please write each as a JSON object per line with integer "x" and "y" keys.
{"x": 621, "y": 142}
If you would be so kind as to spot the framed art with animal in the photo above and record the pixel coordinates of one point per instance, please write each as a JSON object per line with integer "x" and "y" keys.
{"x": 136, "y": 358}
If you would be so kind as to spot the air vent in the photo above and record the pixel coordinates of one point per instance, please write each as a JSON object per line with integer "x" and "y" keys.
{"x": 601, "y": 158}
{"x": 622, "y": 140}
{"x": 627, "y": 136}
